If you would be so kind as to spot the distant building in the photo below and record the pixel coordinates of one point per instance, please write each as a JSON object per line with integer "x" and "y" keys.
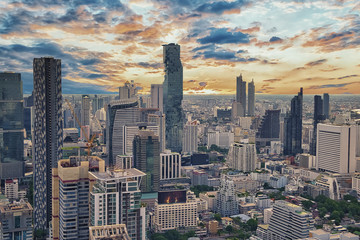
{"x": 115, "y": 198}
{"x": 85, "y": 110}
{"x": 318, "y": 117}
{"x": 289, "y": 221}
{"x": 159, "y": 119}
{"x": 326, "y": 106}
{"x": 157, "y": 96}
{"x": 12, "y": 189}
{"x": 241, "y": 93}
{"x": 127, "y": 91}
{"x": 130, "y": 130}
{"x": 109, "y": 232}
{"x": 48, "y": 135}
{"x": 71, "y": 187}
{"x": 242, "y": 157}
{"x": 172, "y": 96}
{"x": 336, "y": 148}
{"x": 251, "y": 98}
{"x": 11, "y": 126}
{"x": 16, "y": 220}
{"x": 220, "y": 139}
{"x": 227, "y": 204}
{"x": 170, "y": 165}
{"x": 293, "y": 126}
{"x": 190, "y": 137}
{"x": 147, "y": 159}
{"x": 269, "y": 129}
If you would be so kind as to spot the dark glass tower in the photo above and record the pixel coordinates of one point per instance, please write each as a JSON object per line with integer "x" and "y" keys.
{"x": 48, "y": 134}
{"x": 318, "y": 117}
{"x": 326, "y": 107}
{"x": 11, "y": 126}
{"x": 270, "y": 125}
{"x": 241, "y": 94}
{"x": 146, "y": 152}
{"x": 293, "y": 126}
{"x": 172, "y": 96}
{"x": 251, "y": 98}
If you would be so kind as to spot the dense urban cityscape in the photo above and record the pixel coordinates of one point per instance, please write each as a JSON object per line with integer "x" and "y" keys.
{"x": 166, "y": 163}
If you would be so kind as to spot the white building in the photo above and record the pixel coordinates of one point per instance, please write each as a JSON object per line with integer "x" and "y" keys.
{"x": 227, "y": 204}
{"x": 170, "y": 165}
{"x": 336, "y": 148}
{"x": 242, "y": 157}
{"x": 210, "y": 198}
{"x": 12, "y": 189}
{"x": 221, "y": 139}
{"x": 267, "y": 215}
{"x": 190, "y": 137}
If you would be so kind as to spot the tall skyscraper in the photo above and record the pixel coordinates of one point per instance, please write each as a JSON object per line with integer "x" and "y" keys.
{"x": 318, "y": 117}
{"x": 71, "y": 189}
{"x": 326, "y": 107}
{"x": 269, "y": 129}
{"x": 85, "y": 110}
{"x": 241, "y": 94}
{"x": 293, "y": 126}
{"x": 11, "y": 126}
{"x": 119, "y": 113}
{"x": 173, "y": 95}
{"x": 157, "y": 96}
{"x": 242, "y": 157}
{"x": 147, "y": 159}
{"x": 289, "y": 221}
{"x": 190, "y": 137}
{"x": 128, "y": 90}
{"x": 48, "y": 134}
{"x": 251, "y": 98}
{"x": 336, "y": 148}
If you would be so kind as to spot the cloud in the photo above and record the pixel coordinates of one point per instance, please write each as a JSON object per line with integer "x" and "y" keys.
{"x": 272, "y": 80}
{"x": 340, "y": 85}
{"x": 223, "y": 36}
{"x": 275, "y": 39}
{"x": 348, "y": 76}
{"x": 315, "y": 63}
{"x": 220, "y": 7}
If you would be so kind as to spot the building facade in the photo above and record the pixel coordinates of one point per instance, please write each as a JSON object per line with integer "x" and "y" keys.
{"x": 157, "y": 96}
{"x": 241, "y": 94}
{"x": 147, "y": 159}
{"x": 190, "y": 137}
{"x": 318, "y": 117}
{"x": 48, "y": 134}
{"x": 251, "y": 98}
{"x": 173, "y": 96}
{"x": 293, "y": 126}
{"x": 159, "y": 119}
{"x": 227, "y": 205}
{"x": 11, "y": 126}
{"x": 85, "y": 110}
{"x": 242, "y": 157}
{"x": 127, "y": 91}
{"x": 326, "y": 106}
{"x": 170, "y": 165}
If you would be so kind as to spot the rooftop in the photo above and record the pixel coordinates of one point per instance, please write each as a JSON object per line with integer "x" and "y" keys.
{"x": 118, "y": 174}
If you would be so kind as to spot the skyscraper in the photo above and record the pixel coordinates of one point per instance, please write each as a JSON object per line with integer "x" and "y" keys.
{"x": 127, "y": 91}
{"x": 293, "y": 126}
{"x": 326, "y": 107}
{"x": 269, "y": 129}
{"x": 157, "y": 96}
{"x": 227, "y": 204}
{"x": 173, "y": 95}
{"x": 190, "y": 138}
{"x": 48, "y": 134}
{"x": 318, "y": 116}
{"x": 85, "y": 110}
{"x": 11, "y": 126}
{"x": 241, "y": 94}
{"x": 242, "y": 157}
{"x": 159, "y": 119}
{"x": 147, "y": 159}
{"x": 119, "y": 113}
{"x": 251, "y": 98}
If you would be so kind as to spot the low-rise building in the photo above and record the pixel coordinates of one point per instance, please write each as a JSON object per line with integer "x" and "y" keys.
{"x": 109, "y": 232}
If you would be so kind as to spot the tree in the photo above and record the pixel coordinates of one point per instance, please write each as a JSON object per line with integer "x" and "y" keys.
{"x": 217, "y": 217}
{"x": 322, "y": 212}
{"x": 252, "y": 224}
{"x": 307, "y": 204}
{"x": 229, "y": 228}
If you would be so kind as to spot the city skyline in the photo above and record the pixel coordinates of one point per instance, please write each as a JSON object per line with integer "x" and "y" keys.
{"x": 103, "y": 44}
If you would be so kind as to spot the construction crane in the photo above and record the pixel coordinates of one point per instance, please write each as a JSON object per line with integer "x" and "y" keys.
{"x": 89, "y": 140}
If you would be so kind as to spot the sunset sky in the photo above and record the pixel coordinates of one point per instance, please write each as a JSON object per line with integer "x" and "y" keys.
{"x": 282, "y": 45}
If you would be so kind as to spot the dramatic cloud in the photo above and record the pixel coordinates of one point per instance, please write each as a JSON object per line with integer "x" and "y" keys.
{"x": 223, "y": 36}
{"x": 315, "y": 63}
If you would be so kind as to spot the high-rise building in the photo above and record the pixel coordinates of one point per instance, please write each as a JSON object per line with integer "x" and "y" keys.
{"x": 318, "y": 117}
{"x": 85, "y": 110}
{"x": 147, "y": 159}
{"x": 172, "y": 96}
{"x": 269, "y": 129}
{"x": 190, "y": 137}
{"x": 175, "y": 209}
{"x": 242, "y": 157}
{"x": 71, "y": 188}
{"x": 11, "y": 126}
{"x": 227, "y": 205}
{"x": 326, "y": 106}
{"x": 130, "y": 130}
{"x": 48, "y": 134}
{"x": 170, "y": 165}
{"x": 157, "y": 96}
{"x": 16, "y": 220}
{"x": 118, "y": 114}
{"x": 289, "y": 221}
{"x": 128, "y": 90}
{"x": 115, "y": 198}
{"x": 159, "y": 119}
{"x": 251, "y": 98}
{"x": 293, "y": 126}
{"x": 241, "y": 94}
{"x": 336, "y": 148}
